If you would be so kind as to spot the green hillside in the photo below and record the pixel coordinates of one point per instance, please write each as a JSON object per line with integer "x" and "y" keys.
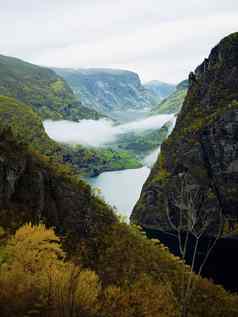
{"x": 174, "y": 102}
{"x": 26, "y": 126}
{"x": 41, "y": 88}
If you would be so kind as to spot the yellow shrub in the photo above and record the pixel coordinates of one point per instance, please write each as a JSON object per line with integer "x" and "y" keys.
{"x": 144, "y": 298}
{"x": 35, "y": 279}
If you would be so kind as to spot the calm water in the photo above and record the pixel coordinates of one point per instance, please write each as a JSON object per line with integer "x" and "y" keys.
{"x": 121, "y": 188}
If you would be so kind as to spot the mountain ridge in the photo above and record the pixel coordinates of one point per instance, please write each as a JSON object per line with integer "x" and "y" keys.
{"x": 107, "y": 90}
{"x": 42, "y": 88}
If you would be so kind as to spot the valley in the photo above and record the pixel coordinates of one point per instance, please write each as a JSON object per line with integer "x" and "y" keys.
{"x": 118, "y": 197}
{"x": 119, "y": 184}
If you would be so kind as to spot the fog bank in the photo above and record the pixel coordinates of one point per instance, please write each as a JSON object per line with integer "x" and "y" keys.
{"x": 99, "y": 132}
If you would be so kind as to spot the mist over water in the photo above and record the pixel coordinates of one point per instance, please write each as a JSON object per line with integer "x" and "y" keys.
{"x": 119, "y": 188}
{"x": 99, "y": 132}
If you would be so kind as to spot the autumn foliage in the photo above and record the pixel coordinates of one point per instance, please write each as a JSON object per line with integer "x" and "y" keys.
{"x": 36, "y": 279}
{"x": 132, "y": 277}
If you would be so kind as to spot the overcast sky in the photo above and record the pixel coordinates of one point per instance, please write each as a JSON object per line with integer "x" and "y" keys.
{"x": 159, "y": 39}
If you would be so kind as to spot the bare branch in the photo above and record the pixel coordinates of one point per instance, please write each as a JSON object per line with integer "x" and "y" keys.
{"x": 186, "y": 214}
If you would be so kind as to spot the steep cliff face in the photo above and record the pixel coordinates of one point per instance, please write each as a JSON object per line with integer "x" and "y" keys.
{"x": 108, "y": 90}
{"x": 203, "y": 148}
{"x": 41, "y": 88}
{"x": 32, "y": 189}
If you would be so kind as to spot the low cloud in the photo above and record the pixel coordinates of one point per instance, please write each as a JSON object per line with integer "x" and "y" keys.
{"x": 100, "y": 132}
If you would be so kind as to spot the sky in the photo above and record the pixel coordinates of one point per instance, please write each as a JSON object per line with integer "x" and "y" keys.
{"x": 158, "y": 39}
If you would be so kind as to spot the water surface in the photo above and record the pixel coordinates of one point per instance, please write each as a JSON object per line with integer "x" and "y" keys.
{"x": 121, "y": 189}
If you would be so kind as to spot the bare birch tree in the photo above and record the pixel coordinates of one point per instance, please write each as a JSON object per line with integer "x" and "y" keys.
{"x": 191, "y": 222}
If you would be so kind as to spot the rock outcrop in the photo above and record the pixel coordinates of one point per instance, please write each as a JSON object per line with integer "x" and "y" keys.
{"x": 33, "y": 189}
{"x": 203, "y": 148}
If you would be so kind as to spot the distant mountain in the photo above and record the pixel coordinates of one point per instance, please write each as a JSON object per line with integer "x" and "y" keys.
{"x": 160, "y": 89}
{"x": 173, "y": 103}
{"x": 41, "y": 88}
{"x": 108, "y": 90}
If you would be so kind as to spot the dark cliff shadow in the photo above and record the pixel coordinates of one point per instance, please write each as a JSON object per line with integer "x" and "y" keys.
{"x": 222, "y": 264}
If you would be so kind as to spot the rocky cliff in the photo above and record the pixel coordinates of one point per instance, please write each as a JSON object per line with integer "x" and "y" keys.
{"x": 203, "y": 148}
{"x": 108, "y": 90}
{"x": 34, "y": 189}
